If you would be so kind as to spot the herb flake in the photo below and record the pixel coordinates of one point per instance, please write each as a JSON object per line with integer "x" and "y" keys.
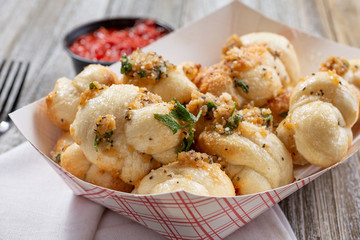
{"x": 126, "y": 66}
{"x": 240, "y": 83}
{"x": 267, "y": 117}
{"x": 158, "y": 71}
{"x": 168, "y": 121}
{"x": 142, "y": 73}
{"x": 92, "y": 86}
{"x": 284, "y": 114}
{"x": 182, "y": 114}
{"x": 96, "y": 142}
{"x": 211, "y": 105}
{"x": 58, "y": 158}
{"x": 233, "y": 122}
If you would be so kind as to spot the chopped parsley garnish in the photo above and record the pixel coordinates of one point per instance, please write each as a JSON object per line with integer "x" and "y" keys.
{"x": 182, "y": 114}
{"x": 240, "y": 83}
{"x": 108, "y": 135}
{"x": 267, "y": 117}
{"x": 211, "y": 105}
{"x": 284, "y": 114}
{"x": 96, "y": 142}
{"x": 158, "y": 71}
{"x": 126, "y": 66}
{"x": 233, "y": 110}
{"x": 187, "y": 142}
{"x": 58, "y": 158}
{"x": 103, "y": 137}
{"x": 92, "y": 86}
{"x": 142, "y": 73}
{"x": 232, "y": 122}
{"x": 168, "y": 121}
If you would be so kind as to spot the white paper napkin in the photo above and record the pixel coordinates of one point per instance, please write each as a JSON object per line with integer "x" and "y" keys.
{"x": 36, "y": 204}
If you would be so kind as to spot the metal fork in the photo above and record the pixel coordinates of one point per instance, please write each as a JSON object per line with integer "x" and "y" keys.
{"x": 12, "y": 78}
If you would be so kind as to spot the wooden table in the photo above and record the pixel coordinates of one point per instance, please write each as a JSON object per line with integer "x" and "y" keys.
{"x": 32, "y": 30}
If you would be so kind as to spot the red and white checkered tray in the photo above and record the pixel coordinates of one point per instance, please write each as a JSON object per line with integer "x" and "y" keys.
{"x": 181, "y": 214}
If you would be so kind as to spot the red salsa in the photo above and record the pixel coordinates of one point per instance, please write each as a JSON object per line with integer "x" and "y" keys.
{"x": 109, "y": 45}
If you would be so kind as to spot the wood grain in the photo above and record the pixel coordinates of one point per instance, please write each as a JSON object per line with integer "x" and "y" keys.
{"x": 32, "y": 30}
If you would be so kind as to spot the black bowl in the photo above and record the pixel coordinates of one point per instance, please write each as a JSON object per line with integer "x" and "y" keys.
{"x": 115, "y": 23}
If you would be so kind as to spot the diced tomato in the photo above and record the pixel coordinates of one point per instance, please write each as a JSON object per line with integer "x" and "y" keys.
{"x": 110, "y": 45}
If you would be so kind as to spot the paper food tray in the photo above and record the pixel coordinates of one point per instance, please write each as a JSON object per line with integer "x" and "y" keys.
{"x": 182, "y": 214}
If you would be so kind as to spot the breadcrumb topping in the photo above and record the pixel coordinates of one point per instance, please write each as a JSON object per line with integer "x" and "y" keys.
{"x": 191, "y": 70}
{"x": 244, "y": 58}
{"x": 145, "y": 68}
{"x": 220, "y": 113}
{"x": 144, "y": 98}
{"x": 231, "y": 42}
{"x": 340, "y": 65}
{"x": 194, "y": 159}
{"x": 105, "y": 124}
{"x": 94, "y": 89}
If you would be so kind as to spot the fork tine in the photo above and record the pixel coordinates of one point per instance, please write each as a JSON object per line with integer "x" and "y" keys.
{"x": 6, "y": 76}
{"x": 2, "y": 65}
{"x": 11, "y": 87}
{"x": 17, "y": 97}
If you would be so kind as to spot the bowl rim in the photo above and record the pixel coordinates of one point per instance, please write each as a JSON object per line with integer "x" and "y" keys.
{"x": 97, "y": 23}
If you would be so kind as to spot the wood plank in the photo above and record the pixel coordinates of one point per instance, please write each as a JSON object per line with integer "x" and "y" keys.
{"x": 163, "y": 10}
{"x": 328, "y": 207}
{"x": 50, "y": 20}
{"x": 344, "y": 16}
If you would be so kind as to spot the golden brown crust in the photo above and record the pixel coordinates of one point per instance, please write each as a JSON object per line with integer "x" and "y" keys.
{"x": 340, "y": 65}
{"x": 74, "y": 161}
{"x": 224, "y": 113}
{"x": 214, "y": 79}
{"x": 245, "y": 58}
{"x": 61, "y": 103}
{"x": 146, "y": 68}
{"x": 194, "y": 172}
{"x": 231, "y": 42}
{"x": 279, "y": 107}
{"x": 144, "y": 98}
{"x": 94, "y": 73}
{"x": 61, "y": 123}
{"x": 191, "y": 70}
{"x": 323, "y": 108}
